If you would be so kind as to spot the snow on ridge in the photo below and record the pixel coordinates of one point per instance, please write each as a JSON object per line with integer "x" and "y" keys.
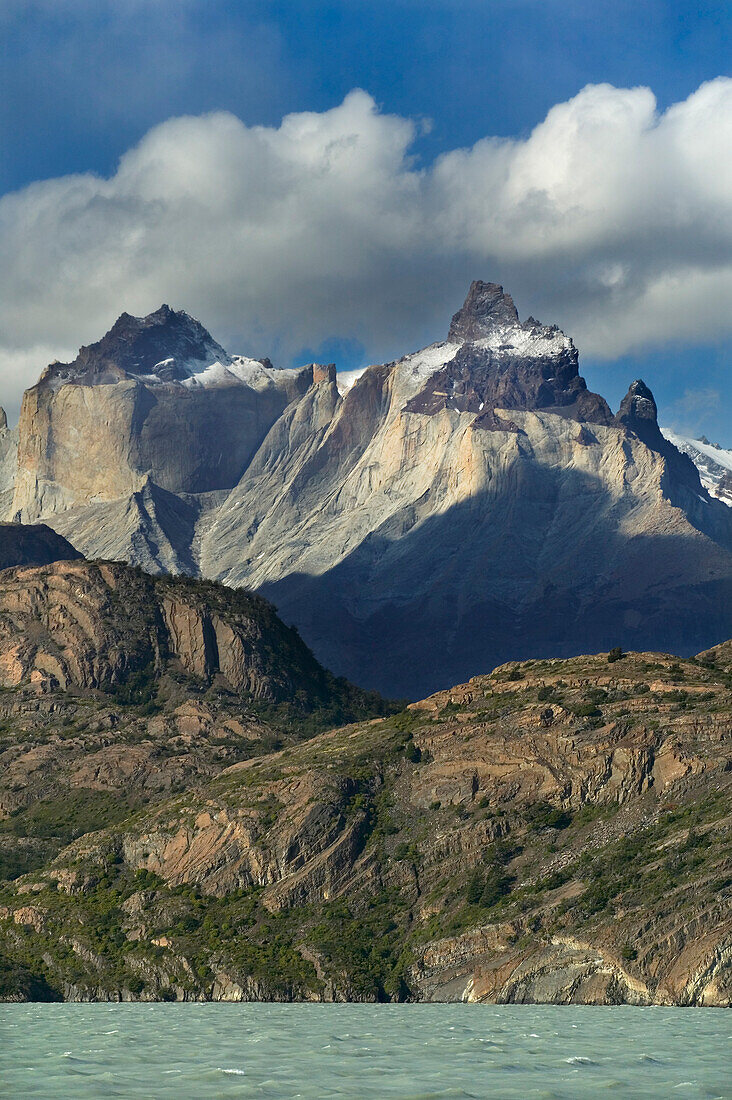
{"x": 240, "y": 368}
{"x": 415, "y": 369}
{"x": 712, "y": 463}
{"x": 536, "y": 341}
{"x": 347, "y": 378}
{"x": 249, "y": 371}
{"x": 717, "y": 455}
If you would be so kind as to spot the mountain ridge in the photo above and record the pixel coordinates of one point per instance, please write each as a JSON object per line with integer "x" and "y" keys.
{"x": 474, "y": 492}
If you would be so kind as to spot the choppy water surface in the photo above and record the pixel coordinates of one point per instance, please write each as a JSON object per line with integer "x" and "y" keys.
{"x": 313, "y": 1051}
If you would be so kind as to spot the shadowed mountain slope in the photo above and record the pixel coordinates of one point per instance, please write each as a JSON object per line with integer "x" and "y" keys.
{"x": 32, "y": 544}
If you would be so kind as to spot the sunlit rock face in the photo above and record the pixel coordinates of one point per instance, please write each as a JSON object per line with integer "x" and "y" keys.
{"x": 469, "y": 503}
{"x": 157, "y": 399}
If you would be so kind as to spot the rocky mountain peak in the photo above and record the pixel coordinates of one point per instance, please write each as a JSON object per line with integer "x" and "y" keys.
{"x": 486, "y": 308}
{"x": 502, "y": 363}
{"x": 638, "y": 413}
{"x": 167, "y": 344}
{"x": 638, "y": 406}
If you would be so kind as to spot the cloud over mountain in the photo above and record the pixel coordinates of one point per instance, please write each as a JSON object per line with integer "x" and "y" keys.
{"x": 608, "y": 217}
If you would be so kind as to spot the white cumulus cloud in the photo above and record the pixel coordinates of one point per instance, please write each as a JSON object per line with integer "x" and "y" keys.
{"x": 610, "y": 218}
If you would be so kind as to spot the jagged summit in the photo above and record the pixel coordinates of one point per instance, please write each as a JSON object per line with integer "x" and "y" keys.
{"x": 638, "y": 407}
{"x": 638, "y": 414}
{"x": 486, "y": 308}
{"x": 167, "y": 344}
{"x": 124, "y": 413}
{"x": 494, "y": 361}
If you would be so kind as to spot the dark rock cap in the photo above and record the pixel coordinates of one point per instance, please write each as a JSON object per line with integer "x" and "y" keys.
{"x": 484, "y": 376}
{"x": 638, "y": 407}
{"x": 136, "y": 345}
{"x": 486, "y": 308}
{"x": 638, "y": 414}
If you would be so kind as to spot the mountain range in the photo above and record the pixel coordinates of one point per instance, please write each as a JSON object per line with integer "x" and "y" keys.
{"x": 470, "y": 503}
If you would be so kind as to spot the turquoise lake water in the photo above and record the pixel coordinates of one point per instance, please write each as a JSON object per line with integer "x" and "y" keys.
{"x": 205, "y": 1051}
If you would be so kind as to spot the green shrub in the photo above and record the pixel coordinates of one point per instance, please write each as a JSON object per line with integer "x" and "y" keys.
{"x": 69, "y": 816}
{"x": 412, "y": 752}
{"x": 541, "y": 815}
{"x": 586, "y": 710}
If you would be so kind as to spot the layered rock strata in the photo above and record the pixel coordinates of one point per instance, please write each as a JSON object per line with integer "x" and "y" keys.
{"x": 95, "y": 625}
{"x": 557, "y": 831}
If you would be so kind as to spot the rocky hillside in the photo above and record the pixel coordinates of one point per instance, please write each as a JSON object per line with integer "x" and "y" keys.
{"x": 469, "y": 503}
{"x": 32, "y": 544}
{"x": 126, "y": 685}
{"x": 557, "y": 831}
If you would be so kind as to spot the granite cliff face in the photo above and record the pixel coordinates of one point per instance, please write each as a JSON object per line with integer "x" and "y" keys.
{"x": 557, "y": 831}
{"x": 153, "y": 412}
{"x": 469, "y": 503}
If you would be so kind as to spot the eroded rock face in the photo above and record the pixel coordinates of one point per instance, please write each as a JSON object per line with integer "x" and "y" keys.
{"x": 8, "y": 463}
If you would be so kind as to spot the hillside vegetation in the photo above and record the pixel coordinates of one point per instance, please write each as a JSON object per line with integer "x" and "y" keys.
{"x": 555, "y": 831}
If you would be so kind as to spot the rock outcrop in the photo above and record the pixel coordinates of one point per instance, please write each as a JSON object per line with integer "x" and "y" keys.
{"x": 96, "y": 626}
{"x": 467, "y": 504}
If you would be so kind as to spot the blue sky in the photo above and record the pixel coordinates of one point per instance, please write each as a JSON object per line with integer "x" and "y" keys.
{"x": 83, "y": 81}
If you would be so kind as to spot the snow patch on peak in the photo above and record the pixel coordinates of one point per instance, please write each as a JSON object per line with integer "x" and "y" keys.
{"x": 345, "y": 379}
{"x": 414, "y": 370}
{"x": 527, "y": 341}
{"x": 238, "y": 368}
